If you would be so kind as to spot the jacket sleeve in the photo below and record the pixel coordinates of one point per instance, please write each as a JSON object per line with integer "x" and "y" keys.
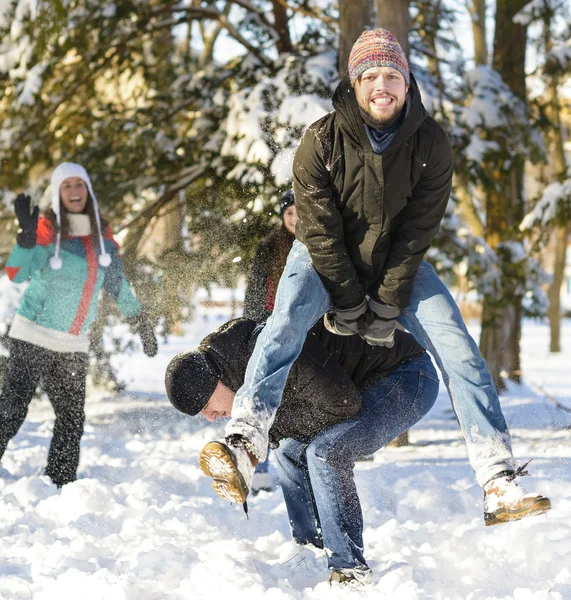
{"x": 419, "y": 222}
{"x": 23, "y": 262}
{"x": 320, "y": 224}
{"x": 116, "y": 285}
{"x": 256, "y": 290}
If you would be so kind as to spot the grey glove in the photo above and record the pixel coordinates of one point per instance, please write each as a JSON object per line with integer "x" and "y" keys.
{"x": 380, "y": 323}
{"x": 345, "y": 321}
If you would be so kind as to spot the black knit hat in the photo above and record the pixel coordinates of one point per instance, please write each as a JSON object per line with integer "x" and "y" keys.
{"x": 190, "y": 380}
{"x": 286, "y": 199}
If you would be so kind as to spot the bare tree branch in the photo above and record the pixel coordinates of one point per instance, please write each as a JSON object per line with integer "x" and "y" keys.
{"x": 151, "y": 211}
{"x": 308, "y": 13}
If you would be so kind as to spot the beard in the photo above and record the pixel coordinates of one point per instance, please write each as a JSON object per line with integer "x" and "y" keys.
{"x": 385, "y": 121}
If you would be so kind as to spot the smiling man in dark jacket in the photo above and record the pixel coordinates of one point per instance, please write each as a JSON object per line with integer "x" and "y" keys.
{"x": 371, "y": 183}
{"x": 343, "y": 399}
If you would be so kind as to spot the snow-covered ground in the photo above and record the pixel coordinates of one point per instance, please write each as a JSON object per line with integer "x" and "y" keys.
{"x": 143, "y": 523}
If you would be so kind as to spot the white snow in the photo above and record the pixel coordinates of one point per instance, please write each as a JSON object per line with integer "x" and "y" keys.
{"x": 31, "y": 85}
{"x": 143, "y": 523}
{"x": 266, "y": 120}
{"x": 489, "y": 97}
{"x": 554, "y": 202}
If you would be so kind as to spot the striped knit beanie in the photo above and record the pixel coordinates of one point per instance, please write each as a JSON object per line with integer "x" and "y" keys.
{"x": 377, "y": 48}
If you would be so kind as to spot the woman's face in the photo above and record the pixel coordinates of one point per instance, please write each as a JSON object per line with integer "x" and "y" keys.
{"x": 73, "y": 194}
{"x": 290, "y": 218}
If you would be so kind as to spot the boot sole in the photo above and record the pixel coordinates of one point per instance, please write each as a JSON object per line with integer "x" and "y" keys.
{"x": 504, "y": 515}
{"x": 216, "y": 461}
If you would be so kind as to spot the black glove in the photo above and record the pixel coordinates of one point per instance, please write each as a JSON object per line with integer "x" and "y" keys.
{"x": 379, "y": 324}
{"x": 345, "y": 321}
{"x": 141, "y": 324}
{"x": 28, "y": 222}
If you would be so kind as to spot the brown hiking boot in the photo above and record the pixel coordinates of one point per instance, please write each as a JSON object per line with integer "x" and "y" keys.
{"x": 231, "y": 466}
{"x": 352, "y": 577}
{"x": 505, "y": 500}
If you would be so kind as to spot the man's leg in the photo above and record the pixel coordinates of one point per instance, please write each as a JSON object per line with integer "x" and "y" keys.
{"x": 20, "y": 382}
{"x": 297, "y": 491}
{"x": 434, "y": 319}
{"x": 64, "y": 381}
{"x": 301, "y": 299}
{"x": 389, "y": 407}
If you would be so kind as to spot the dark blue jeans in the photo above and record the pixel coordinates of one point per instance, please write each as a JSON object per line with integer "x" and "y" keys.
{"x": 316, "y": 474}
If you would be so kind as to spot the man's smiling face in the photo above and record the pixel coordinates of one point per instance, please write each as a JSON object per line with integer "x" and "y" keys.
{"x": 381, "y": 93}
{"x": 73, "y": 194}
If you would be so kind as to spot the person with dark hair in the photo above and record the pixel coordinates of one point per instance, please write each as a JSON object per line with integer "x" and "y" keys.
{"x": 372, "y": 180}
{"x": 67, "y": 257}
{"x": 343, "y": 399}
{"x": 269, "y": 263}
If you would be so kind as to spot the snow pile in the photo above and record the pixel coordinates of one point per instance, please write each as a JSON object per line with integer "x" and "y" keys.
{"x": 143, "y": 523}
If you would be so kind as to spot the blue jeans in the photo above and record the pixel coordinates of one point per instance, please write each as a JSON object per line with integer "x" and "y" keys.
{"x": 431, "y": 316}
{"x": 264, "y": 467}
{"x": 316, "y": 474}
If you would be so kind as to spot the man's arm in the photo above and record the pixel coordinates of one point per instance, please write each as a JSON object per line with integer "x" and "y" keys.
{"x": 419, "y": 223}
{"x": 320, "y": 225}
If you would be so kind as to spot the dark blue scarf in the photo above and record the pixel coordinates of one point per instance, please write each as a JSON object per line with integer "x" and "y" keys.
{"x": 381, "y": 138}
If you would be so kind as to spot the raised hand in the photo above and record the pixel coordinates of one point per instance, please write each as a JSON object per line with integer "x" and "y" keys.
{"x": 28, "y": 222}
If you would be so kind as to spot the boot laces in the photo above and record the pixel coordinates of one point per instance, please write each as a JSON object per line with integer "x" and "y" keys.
{"x": 519, "y": 472}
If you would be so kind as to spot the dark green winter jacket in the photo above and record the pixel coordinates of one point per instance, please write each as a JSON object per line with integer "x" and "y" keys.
{"x": 368, "y": 219}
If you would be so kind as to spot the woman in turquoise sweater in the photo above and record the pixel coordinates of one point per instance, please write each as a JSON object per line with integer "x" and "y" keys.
{"x": 68, "y": 256}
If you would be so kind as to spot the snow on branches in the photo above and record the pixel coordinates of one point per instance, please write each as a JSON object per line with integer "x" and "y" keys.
{"x": 495, "y": 126}
{"x": 554, "y": 207}
{"x": 267, "y": 118}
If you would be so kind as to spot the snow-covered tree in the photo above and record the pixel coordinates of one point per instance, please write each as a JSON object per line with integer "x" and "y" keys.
{"x": 551, "y": 217}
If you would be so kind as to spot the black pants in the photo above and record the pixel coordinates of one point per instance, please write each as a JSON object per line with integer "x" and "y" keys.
{"x": 62, "y": 376}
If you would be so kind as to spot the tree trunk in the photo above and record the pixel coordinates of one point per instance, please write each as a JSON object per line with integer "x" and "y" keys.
{"x": 281, "y": 23}
{"x": 510, "y": 45}
{"x": 501, "y": 318}
{"x": 478, "y": 15}
{"x": 354, "y": 17}
{"x": 554, "y": 312}
{"x": 557, "y": 159}
{"x": 393, "y": 15}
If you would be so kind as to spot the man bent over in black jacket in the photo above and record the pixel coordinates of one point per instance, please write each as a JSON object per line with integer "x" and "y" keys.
{"x": 343, "y": 399}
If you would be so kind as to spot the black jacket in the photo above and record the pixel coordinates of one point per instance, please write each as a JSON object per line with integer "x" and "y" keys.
{"x": 323, "y": 385}
{"x": 368, "y": 219}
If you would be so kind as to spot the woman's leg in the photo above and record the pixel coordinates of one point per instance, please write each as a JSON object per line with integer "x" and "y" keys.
{"x": 20, "y": 382}
{"x": 390, "y": 406}
{"x": 434, "y": 319}
{"x": 64, "y": 382}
